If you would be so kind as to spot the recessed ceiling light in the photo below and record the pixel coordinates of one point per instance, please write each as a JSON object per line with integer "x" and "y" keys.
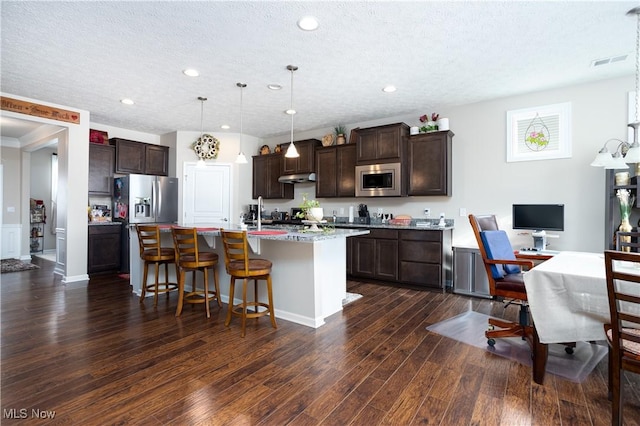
{"x": 126, "y": 101}
{"x": 389, "y": 89}
{"x": 308, "y": 23}
{"x": 191, "y": 72}
{"x": 225, "y": 127}
{"x": 274, "y": 86}
{"x": 290, "y": 111}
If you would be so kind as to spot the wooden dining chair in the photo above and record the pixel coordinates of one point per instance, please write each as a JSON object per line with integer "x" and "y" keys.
{"x": 623, "y": 333}
{"x": 239, "y": 265}
{"x": 189, "y": 257}
{"x": 504, "y": 272}
{"x": 628, "y": 241}
{"x": 152, "y": 253}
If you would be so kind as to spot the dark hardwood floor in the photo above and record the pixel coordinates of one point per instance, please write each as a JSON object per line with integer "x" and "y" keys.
{"x": 92, "y": 355}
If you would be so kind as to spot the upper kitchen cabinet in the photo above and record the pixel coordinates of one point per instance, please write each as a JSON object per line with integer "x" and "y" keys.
{"x": 266, "y": 171}
{"x": 335, "y": 171}
{"x": 156, "y": 160}
{"x": 381, "y": 144}
{"x": 140, "y": 158}
{"x": 305, "y": 163}
{"x": 428, "y": 164}
{"x": 101, "y": 167}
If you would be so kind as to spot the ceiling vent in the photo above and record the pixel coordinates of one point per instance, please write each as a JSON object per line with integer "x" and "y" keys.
{"x": 609, "y": 60}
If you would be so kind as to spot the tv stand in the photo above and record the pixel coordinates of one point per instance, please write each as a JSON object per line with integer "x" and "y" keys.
{"x": 539, "y": 240}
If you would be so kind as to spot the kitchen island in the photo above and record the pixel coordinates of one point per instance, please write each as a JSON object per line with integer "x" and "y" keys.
{"x": 309, "y": 268}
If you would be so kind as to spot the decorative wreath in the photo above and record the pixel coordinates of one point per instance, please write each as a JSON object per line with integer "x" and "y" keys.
{"x": 206, "y": 147}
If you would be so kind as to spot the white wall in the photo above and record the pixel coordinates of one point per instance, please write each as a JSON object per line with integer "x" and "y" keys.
{"x": 483, "y": 182}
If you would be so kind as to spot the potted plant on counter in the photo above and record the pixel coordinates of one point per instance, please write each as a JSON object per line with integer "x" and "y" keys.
{"x": 311, "y": 209}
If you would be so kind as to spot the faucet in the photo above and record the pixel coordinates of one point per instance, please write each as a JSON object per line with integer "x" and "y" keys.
{"x": 259, "y": 212}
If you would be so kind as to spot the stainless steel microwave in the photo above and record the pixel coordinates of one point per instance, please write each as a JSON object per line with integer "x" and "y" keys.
{"x": 379, "y": 180}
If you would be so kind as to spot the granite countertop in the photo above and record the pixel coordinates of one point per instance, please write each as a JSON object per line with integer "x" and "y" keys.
{"x": 279, "y": 233}
{"x": 416, "y": 224}
{"x": 104, "y": 223}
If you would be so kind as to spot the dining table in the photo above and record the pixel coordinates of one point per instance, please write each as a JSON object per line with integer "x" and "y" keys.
{"x": 567, "y": 297}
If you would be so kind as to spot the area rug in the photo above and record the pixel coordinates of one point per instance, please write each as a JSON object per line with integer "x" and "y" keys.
{"x": 351, "y": 297}
{"x": 470, "y": 326}
{"x": 15, "y": 265}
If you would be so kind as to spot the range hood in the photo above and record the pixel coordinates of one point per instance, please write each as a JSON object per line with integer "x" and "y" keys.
{"x": 298, "y": 178}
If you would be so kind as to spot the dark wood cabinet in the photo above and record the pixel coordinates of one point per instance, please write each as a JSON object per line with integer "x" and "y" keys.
{"x": 426, "y": 258}
{"x": 140, "y": 158}
{"x": 381, "y": 144}
{"x": 266, "y": 171}
{"x": 335, "y": 171}
{"x": 101, "y": 167}
{"x": 305, "y": 163}
{"x": 417, "y": 257}
{"x": 375, "y": 255}
{"x": 428, "y": 164}
{"x": 156, "y": 160}
{"x": 104, "y": 248}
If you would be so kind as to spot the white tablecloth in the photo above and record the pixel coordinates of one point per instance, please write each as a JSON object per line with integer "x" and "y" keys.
{"x": 568, "y": 297}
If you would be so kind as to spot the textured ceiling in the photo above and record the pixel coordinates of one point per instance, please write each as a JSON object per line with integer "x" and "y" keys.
{"x": 438, "y": 54}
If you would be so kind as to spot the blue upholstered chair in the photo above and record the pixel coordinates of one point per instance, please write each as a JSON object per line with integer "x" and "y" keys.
{"x": 504, "y": 271}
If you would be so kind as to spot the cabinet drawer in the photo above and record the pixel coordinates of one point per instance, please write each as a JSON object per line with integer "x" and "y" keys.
{"x": 387, "y": 234}
{"x": 421, "y": 235}
{"x": 104, "y": 229}
{"x": 421, "y": 251}
{"x": 425, "y": 274}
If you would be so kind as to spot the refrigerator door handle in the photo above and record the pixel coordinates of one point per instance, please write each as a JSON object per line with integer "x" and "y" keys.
{"x": 154, "y": 196}
{"x": 158, "y": 199}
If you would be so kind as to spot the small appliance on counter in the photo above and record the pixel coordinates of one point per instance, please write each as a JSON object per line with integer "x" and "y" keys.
{"x": 364, "y": 218}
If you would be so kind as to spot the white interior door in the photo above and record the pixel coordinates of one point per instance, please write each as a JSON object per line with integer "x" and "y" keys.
{"x": 207, "y": 194}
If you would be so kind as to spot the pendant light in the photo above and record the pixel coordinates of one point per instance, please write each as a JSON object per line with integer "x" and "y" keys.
{"x": 202, "y": 100}
{"x": 292, "y": 152}
{"x": 241, "y": 159}
{"x": 632, "y": 155}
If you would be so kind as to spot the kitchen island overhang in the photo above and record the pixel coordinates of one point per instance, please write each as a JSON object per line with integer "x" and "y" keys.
{"x": 309, "y": 269}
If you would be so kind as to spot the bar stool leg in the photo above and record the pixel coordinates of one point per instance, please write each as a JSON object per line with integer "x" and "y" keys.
{"x": 232, "y": 287}
{"x": 156, "y": 286}
{"x": 206, "y": 291}
{"x": 244, "y": 306}
{"x": 143, "y": 291}
{"x": 180, "y": 292}
{"x": 166, "y": 278}
{"x": 216, "y": 283}
{"x": 270, "y": 294}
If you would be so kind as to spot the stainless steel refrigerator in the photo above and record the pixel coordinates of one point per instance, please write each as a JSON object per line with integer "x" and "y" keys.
{"x": 146, "y": 199}
{"x": 143, "y": 199}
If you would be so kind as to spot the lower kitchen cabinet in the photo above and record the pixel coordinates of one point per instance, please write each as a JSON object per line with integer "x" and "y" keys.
{"x": 426, "y": 258}
{"x": 416, "y": 257}
{"x": 375, "y": 255}
{"x": 104, "y": 248}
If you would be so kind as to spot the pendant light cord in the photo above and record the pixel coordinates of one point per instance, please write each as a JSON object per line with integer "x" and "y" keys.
{"x": 637, "y": 64}
{"x": 292, "y": 110}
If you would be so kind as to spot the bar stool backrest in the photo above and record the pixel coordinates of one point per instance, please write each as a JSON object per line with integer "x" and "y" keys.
{"x": 235, "y": 248}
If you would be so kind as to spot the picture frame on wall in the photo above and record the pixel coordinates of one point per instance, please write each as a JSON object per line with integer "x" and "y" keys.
{"x": 539, "y": 133}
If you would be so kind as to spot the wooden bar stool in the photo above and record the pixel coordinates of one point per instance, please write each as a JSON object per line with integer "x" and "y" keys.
{"x": 190, "y": 258}
{"x": 239, "y": 265}
{"x": 151, "y": 252}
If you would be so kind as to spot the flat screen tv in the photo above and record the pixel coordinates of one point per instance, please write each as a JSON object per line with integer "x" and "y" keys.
{"x": 538, "y": 217}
